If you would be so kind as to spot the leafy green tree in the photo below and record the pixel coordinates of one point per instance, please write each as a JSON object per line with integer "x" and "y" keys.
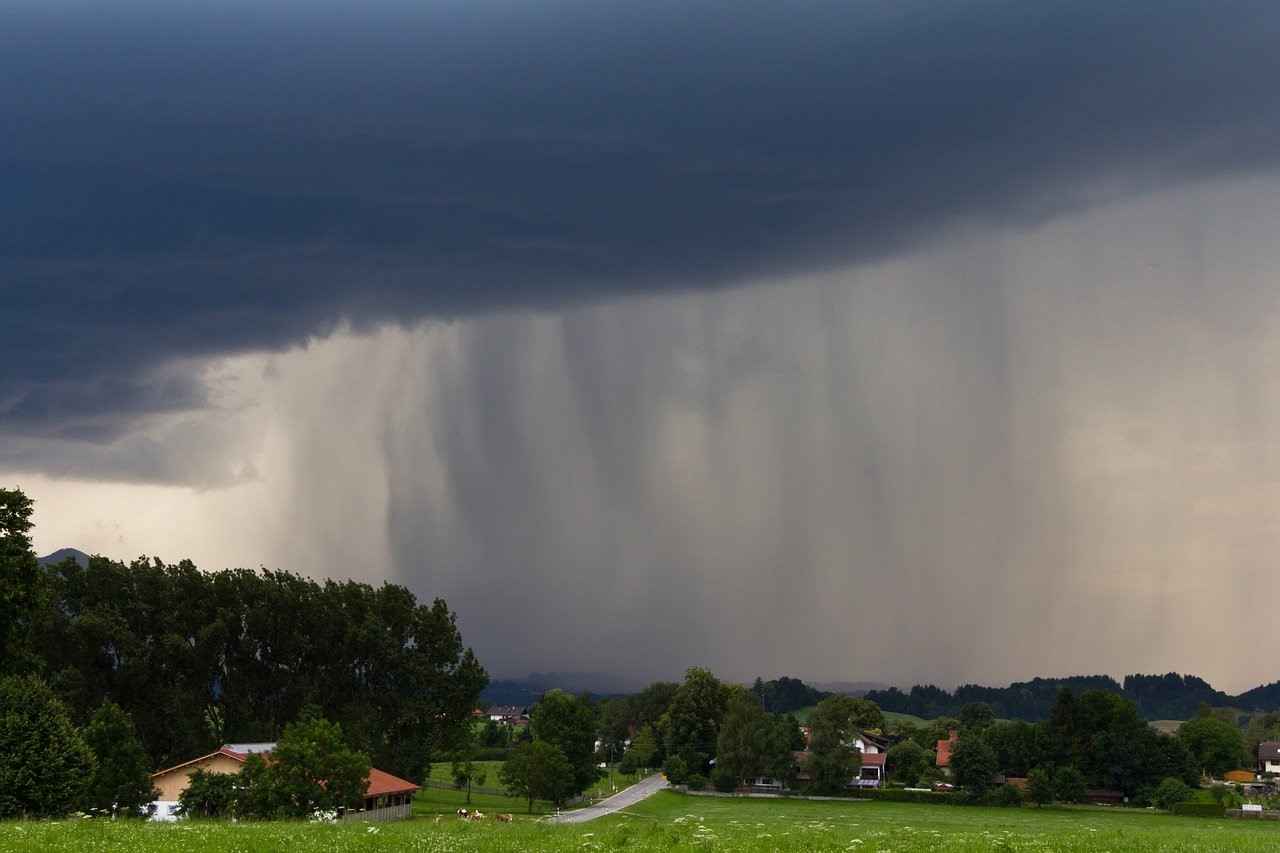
{"x": 643, "y": 749}
{"x": 973, "y": 763}
{"x": 568, "y": 722}
{"x": 905, "y": 761}
{"x": 311, "y": 769}
{"x": 867, "y": 716}
{"x": 691, "y": 725}
{"x": 1218, "y": 746}
{"x": 465, "y": 768}
{"x": 494, "y": 735}
{"x": 615, "y": 716}
{"x": 832, "y": 761}
{"x": 1040, "y": 788}
{"x": 538, "y": 771}
{"x": 976, "y": 716}
{"x": 121, "y": 780}
{"x": 774, "y": 743}
{"x": 738, "y": 752}
{"x": 795, "y": 735}
{"x": 1069, "y": 785}
{"x": 153, "y": 638}
{"x": 1016, "y": 744}
{"x": 44, "y": 762}
{"x": 19, "y": 576}
{"x": 1170, "y": 792}
{"x": 210, "y": 795}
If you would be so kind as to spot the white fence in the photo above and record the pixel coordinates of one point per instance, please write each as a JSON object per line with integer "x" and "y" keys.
{"x": 398, "y": 812}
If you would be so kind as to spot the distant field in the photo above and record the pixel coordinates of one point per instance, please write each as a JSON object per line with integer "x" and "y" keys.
{"x": 890, "y": 716}
{"x": 673, "y": 822}
{"x": 895, "y": 717}
{"x": 1169, "y": 727}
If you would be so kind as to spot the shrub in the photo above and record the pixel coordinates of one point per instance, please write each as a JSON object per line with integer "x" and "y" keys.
{"x": 1007, "y": 795}
{"x": 676, "y": 770}
{"x": 930, "y": 775}
{"x": 1040, "y": 786}
{"x": 44, "y": 762}
{"x": 210, "y": 795}
{"x": 1069, "y": 785}
{"x": 697, "y": 782}
{"x": 1199, "y": 809}
{"x": 1170, "y": 792}
{"x": 723, "y": 779}
{"x": 897, "y": 795}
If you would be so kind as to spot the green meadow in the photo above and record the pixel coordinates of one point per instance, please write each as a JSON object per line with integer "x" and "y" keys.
{"x": 674, "y": 822}
{"x": 432, "y": 801}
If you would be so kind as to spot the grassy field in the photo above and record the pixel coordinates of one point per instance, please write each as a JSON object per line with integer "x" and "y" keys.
{"x": 437, "y": 801}
{"x": 672, "y": 822}
{"x": 434, "y": 801}
{"x": 889, "y": 716}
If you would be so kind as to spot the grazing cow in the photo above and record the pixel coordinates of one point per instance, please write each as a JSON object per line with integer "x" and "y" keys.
{"x": 477, "y": 815}
{"x": 464, "y": 814}
{"x": 503, "y": 818}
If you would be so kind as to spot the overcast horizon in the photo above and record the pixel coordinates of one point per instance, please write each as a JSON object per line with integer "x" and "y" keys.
{"x": 905, "y": 342}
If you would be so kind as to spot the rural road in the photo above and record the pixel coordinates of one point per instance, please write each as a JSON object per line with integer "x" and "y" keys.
{"x": 621, "y": 800}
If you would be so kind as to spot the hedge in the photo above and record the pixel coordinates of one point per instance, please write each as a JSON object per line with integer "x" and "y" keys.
{"x": 898, "y": 795}
{"x": 1199, "y": 810}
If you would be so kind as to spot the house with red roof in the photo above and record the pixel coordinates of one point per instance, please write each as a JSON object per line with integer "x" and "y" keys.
{"x": 387, "y": 797}
{"x": 944, "y": 751}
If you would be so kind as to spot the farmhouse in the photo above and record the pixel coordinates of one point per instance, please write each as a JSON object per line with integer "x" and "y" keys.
{"x": 387, "y": 797}
{"x": 1269, "y": 756}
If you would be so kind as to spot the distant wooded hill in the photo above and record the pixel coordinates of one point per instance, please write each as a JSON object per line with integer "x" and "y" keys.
{"x": 1158, "y": 697}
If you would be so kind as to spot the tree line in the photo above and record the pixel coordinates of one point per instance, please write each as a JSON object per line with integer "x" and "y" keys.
{"x": 188, "y": 660}
{"x": 1157, "y": 697}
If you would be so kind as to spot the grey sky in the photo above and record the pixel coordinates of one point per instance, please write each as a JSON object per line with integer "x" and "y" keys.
{"x": 846, "y": 340}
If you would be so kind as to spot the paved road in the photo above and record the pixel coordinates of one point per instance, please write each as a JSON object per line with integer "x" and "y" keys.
{"x": 644, "y": 788}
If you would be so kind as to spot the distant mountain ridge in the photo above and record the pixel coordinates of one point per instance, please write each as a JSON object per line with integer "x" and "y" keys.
{"x": 64, "y": 554}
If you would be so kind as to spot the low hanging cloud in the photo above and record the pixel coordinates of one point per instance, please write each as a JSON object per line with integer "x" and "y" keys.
{"x": 206, "y": 182}
{"x": 904, "y": 341}
{"x": 1022, "y": 452}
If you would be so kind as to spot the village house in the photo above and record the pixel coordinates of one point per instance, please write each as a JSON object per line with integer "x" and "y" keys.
{"x": 388, "y": 797}
{"x": 944, "y": 751}
{"x": 871, "y": 774}
{"x": 510, "y": 715}
{"x": 1269, "y": 756}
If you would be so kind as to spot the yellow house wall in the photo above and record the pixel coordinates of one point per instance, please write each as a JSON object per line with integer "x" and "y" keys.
{"x": 172, "y": 784}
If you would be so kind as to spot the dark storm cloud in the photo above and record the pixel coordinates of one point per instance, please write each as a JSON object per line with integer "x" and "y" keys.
{"x": 187, "y": 180}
